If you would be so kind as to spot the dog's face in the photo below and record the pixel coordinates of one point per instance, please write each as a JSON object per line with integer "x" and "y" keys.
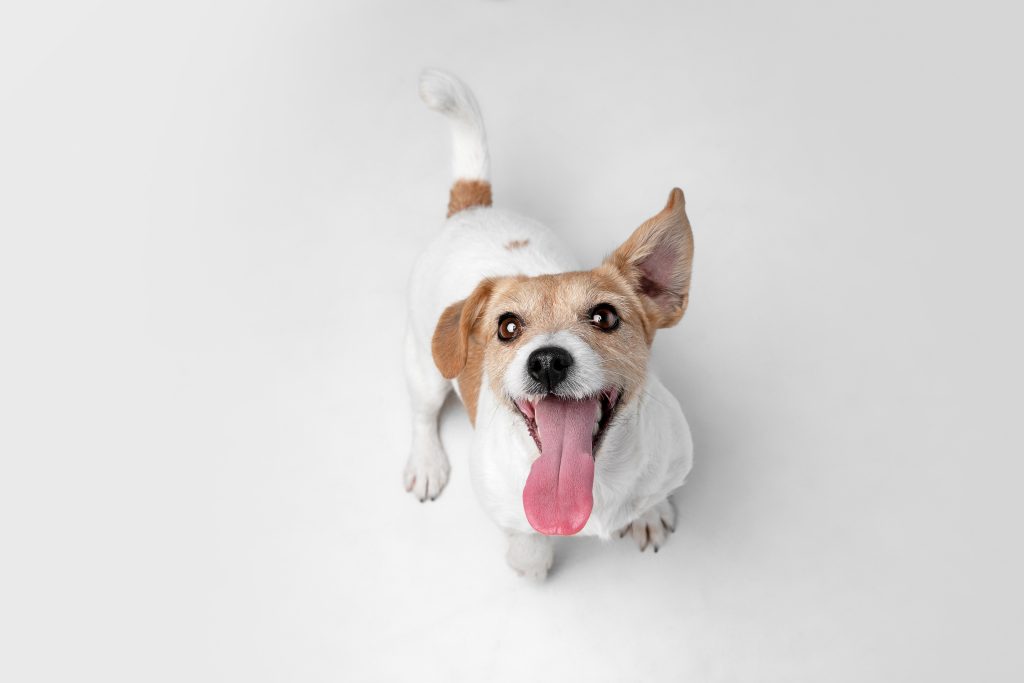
{"x": 567, "y": 352}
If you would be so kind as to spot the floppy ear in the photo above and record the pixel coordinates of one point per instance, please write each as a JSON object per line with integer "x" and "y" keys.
{"x": 657, "y": 258}
{"x": 450, "y": 345}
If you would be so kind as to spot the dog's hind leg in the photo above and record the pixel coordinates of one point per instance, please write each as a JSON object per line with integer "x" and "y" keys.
{"x": 530, "y": 555}
{"x": 426, "y": 471}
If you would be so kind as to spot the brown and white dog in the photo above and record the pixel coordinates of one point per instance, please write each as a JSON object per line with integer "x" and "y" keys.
{"x": 573, "y": 434}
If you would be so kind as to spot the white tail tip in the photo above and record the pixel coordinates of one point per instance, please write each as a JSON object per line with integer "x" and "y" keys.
{"x": 445, "y": 93}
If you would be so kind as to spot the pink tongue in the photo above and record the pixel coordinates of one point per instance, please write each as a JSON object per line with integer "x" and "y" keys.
{"x": 558, "y": 495}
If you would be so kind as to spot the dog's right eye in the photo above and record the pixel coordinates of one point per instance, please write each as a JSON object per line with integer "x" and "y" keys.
{"x": 509, "y": 327}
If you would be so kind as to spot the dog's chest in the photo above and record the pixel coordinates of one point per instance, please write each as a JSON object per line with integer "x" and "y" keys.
{"x": 500, "y": 462}
{"x": 645, "y": 458}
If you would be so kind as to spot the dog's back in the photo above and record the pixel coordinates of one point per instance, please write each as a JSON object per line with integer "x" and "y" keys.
{"x": 477, "y": 240}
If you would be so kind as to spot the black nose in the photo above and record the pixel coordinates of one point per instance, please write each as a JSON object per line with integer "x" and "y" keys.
{"x": 549, "y": 365}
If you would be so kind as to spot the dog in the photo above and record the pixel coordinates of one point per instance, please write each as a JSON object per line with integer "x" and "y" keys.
{"x": 573, "y": 433}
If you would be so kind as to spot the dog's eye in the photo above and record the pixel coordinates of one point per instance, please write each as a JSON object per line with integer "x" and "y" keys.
{"x": 509, "y": 326}
{"x": 604, "y": 317}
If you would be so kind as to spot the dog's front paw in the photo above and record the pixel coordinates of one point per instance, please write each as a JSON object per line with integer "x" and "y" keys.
{"x": 653, "y": 527}
{"x": 530, "y": 555}
{"x": 425, "y": 476}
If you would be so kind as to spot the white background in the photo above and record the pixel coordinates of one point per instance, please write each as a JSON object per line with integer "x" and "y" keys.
{"x": 208, "y": 215}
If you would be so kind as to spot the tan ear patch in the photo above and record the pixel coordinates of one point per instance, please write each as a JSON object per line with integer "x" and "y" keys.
{"x": 471, "y": 376}
{"x": 466, "y": 194}
{"x": 445, "y": 347}
{"x": 450, "y": 344}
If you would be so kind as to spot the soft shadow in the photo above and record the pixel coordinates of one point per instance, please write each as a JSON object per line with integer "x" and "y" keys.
{"x": 718, "y": 437}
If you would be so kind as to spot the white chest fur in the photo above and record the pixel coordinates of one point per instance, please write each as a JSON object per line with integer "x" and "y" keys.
{"x": 644, "y": 458}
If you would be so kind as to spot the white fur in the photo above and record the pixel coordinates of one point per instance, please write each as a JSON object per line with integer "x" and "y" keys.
{"x": 445, "y": 93}
{"x": 646, "y": 451}
{"x": 585, "y": 378}
{"x": 426, "y": 472}
{"x": 530, "y": 555}
{"x": 646, "y": 454}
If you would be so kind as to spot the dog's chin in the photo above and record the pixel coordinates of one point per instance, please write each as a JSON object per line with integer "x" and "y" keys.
{"x": 608, "y": 401}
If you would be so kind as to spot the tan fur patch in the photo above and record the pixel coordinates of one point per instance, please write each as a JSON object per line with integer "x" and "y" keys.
{"x": 551, "y": 303}
{"x": 450, "y": 344}
{"x": 466, "y": 194}
{"x": 471, "y": 377}
{"x": 458, "y": 344}
{"x": 516, "y": 244}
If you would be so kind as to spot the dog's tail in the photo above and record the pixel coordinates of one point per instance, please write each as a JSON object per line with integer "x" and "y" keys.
{"x": 445, "y": 93}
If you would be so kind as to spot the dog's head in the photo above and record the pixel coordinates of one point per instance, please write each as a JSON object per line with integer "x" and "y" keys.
{"x": 568, "y": 352}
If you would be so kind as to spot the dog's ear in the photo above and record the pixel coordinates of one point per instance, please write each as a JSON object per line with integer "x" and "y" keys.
{"x": 450, "y": 345}
{"x": 656, "y": 260}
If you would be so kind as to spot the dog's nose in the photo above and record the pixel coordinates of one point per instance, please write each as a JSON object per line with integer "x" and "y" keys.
{"x": 549, "y": 365}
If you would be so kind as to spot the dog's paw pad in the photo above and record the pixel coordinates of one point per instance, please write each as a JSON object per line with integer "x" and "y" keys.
{"x": 652, "y": 529}
{"x": 426, "y": 478}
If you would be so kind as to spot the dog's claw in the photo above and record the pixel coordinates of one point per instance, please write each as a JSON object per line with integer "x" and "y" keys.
{"x": 653, "y": 527}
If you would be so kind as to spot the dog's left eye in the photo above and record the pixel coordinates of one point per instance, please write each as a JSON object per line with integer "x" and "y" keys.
{"x": 604, "y": 317}
{"x": 510, "y": 326}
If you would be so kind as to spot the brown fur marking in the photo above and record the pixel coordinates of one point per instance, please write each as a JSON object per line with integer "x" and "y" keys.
{"x": 450, "y": 344}
{"x": 458, "y": 344}
{"x": 466, "y": 194}
{"x": 516, "y": 244}
{"x": 471, "y": 377}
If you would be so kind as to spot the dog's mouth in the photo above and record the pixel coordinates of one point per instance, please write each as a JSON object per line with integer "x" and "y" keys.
{"x": 558, "y": 496}
{"x": 607, "y": 402}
